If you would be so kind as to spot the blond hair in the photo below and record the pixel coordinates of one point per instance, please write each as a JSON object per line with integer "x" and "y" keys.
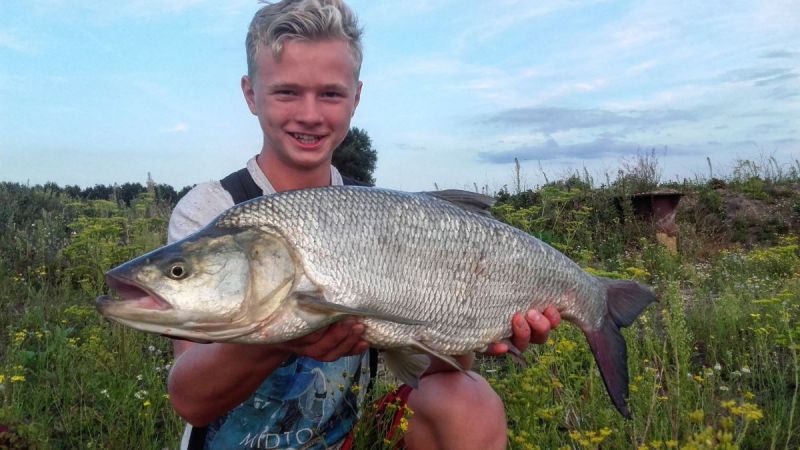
{"x": 309, "y": 20}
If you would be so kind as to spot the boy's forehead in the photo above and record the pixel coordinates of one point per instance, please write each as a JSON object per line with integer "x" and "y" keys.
{"x": 263, "y": 48}
{"x": 320, "y": 52}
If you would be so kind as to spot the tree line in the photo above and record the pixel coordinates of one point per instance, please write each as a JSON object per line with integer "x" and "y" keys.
{"x": 355, "y": 158}
{"x": 121, "y": 193}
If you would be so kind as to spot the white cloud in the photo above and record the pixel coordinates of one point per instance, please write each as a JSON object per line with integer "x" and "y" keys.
{"x": 498, "y": 17}
{"x": 104, "y": 11}
{"x": 11, "y": 42}
{"x": 641, "y": 34}
{"x": 180, "y": 127}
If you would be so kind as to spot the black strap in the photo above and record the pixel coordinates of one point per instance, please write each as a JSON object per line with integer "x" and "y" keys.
{"x": 241, "y": 186}
{"x": 351, "y": 182}
{"x": 197, "y": 438}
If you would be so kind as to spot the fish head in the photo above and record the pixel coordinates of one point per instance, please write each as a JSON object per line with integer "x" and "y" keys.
{"x": 216, "y": 285}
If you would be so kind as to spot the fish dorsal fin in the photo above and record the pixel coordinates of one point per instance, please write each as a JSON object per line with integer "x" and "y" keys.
{"x": 466, "y": 200}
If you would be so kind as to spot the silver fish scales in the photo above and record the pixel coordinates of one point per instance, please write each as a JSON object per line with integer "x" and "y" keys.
{"x": 424, "y": 271}
{"x": 422, "y": 258}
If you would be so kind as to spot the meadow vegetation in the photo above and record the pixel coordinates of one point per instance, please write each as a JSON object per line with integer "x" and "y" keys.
{"x": 713, "y": 365}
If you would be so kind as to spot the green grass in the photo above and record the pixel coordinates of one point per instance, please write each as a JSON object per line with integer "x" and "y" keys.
{"x": 713, "y": 365}
{"x": 716, "y": 372}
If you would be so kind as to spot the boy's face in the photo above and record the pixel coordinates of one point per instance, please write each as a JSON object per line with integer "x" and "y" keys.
{"x": 304, "y": 100}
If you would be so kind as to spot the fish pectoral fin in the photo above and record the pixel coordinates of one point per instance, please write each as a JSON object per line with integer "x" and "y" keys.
{"x": 319, "y": 304}
{"x": 407, "y": 366}
{"x": 469, "y": 201}
{"x": 419, "y": 345}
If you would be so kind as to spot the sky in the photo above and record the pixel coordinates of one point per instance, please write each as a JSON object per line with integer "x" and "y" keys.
{"x": 99, "y": 92}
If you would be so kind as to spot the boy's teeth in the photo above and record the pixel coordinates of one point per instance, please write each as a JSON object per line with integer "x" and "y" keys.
{"x": 305, "y": 138}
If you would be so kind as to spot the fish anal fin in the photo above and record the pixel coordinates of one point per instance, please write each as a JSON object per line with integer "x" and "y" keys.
{"x": 317, "y": 303}
{"x": 515, "y": 353}
{"x": 419, "y": 345}
{"x": 407, "y": 366}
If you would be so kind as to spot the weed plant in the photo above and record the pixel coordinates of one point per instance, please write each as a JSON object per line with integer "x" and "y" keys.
{"x": 713, "y": 365}
{"x": 69, "y": 379}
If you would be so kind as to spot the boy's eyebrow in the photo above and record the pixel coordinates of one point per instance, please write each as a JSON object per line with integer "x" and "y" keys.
{"x": 294, "y": 86}
{"x": 280, "y": 85}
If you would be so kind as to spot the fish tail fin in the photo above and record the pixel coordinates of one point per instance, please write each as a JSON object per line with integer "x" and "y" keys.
{"x": 626, "y": 300}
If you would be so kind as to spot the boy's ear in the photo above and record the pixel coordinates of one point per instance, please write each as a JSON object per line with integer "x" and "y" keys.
{"x": 358, "y": 97}
{"x": 249, "y": 94}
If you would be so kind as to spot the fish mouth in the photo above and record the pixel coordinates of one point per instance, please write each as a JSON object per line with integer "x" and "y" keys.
{"x": 145, "y": 310}
{"x": 133, "y": 297}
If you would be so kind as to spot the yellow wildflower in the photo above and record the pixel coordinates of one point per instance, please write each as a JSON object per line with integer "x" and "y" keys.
{"x": 566, "y": 346}
{"x": 20, "y": 335}
{"x": 403, "y": 424}
{"x": 696, "y": 416}
{"x": 17, "y": 378}
{"x": 728, "y": 404}
{"x": 146, "y": 403}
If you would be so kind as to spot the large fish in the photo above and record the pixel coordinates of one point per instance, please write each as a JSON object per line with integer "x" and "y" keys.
{"x": 428, "y": 273}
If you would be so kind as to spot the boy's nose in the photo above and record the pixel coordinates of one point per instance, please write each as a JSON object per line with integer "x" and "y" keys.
{"x": 308, "y": 111}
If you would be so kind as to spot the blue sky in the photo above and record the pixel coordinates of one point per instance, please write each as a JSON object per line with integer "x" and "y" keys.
{"x": 93, "y": 91}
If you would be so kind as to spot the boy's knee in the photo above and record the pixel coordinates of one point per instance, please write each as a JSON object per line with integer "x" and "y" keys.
{"x": 453, "y": 408}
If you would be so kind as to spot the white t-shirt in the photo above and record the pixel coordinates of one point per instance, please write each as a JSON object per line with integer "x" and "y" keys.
{"x": 207, "y": 200}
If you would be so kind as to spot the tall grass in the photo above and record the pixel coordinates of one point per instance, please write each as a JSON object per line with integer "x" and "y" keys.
{"x": 68, "y": 379}
{"x": 713, "y": 365}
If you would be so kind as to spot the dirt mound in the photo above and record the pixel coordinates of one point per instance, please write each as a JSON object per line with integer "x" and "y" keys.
{"x": 743, "y": 216}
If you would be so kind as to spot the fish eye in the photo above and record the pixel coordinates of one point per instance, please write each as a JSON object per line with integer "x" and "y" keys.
{"x": 177, "y": 270}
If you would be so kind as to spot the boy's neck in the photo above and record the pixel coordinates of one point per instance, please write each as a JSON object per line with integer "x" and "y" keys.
{"x": 286, "y": 178}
